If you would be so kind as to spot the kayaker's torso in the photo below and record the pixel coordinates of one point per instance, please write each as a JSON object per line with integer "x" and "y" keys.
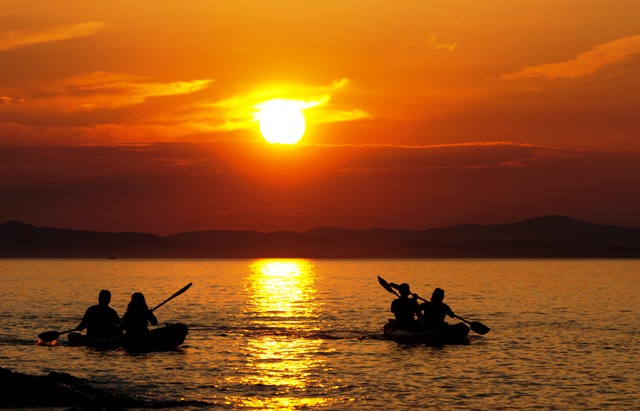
{"x": 434, "y": 314}
{"x": 101, "y": 320}
{"x": 136, "y": 321}
{"x": 404, "y": 310}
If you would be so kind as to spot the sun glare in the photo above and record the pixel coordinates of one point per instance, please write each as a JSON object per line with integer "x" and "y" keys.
{"x": 281, "y": 121}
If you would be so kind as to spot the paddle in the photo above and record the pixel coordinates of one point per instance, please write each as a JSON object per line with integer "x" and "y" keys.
{"x": 387, "y": 286}
{"x": 177, "y": 293}
{"x": 476, "y": 326}
{"x": 50, "y": 336}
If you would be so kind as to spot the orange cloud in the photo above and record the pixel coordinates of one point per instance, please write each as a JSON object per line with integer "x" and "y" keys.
{"x": 15, "y": 39}
{"x": 110, "y": 90}
{"x": 98, "y": 90}
{"x": 473, "y": 155}
{"x": 238, "y": 112}
{"x": 102, "y": 90}
{"x": 88, "y": 108}
{"x": 434, "y": 43}
{"x": 585, "y": 64}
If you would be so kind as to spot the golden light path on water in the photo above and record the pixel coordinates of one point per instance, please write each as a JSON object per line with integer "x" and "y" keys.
{"x": 281, "y": 354}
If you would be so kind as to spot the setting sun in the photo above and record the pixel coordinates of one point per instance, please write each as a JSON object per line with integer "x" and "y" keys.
{"x": 281, "y": 121}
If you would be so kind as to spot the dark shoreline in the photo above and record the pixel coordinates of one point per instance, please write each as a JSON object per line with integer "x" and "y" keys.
{"x": 64, "y": 390}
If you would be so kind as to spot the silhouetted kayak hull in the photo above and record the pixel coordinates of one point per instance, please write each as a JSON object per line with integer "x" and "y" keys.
{"x": 451, "y": 334}
{"x": 159, "y": 339}
{"x": 81, "y": 340}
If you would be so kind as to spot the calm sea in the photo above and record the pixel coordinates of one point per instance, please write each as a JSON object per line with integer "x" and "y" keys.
{"x": 305, "y": 334}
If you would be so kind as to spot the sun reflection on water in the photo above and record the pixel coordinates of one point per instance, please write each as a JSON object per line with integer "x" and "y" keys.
{"x": 282, "y": 294}
{"x": 281, "y": 352}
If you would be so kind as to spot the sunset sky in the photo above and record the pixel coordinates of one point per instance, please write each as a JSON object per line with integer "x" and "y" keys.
{"x": 141, "y": 115}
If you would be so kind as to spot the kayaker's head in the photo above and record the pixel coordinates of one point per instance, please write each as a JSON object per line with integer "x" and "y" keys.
{"x": 104, "y": 298}
{"x": 438, "y": 295}
{"x": 404, "y": 290}
{"x": 138, "y": 302}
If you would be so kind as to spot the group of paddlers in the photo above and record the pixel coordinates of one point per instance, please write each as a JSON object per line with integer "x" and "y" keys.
{"x": 102, "y": 321}
{"x": 410, "y": 314}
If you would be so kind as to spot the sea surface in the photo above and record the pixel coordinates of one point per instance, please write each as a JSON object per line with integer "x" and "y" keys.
{"x": 305, "y": 334}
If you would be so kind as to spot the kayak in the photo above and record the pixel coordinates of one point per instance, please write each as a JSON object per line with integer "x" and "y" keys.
{"x": 450, "y": 334}
{"x": 158, "y": 339}
{"x": 105, "y": 343}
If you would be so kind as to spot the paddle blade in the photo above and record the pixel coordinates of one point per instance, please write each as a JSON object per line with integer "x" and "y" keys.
{"x": 185, "y": 288}
{"x": 49, "y": 336}
{"x": 479, "y": 328}
{"x": 385, "y": 285}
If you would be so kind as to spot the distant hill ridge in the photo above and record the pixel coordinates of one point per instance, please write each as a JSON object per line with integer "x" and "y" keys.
{"x": 541, "y": 237}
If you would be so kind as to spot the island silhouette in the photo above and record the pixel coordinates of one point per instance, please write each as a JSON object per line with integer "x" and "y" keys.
{"x": 541, "y": 237}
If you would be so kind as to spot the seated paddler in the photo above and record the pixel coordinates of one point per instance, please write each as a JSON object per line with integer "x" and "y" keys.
{"x": 100, "y": 320}
{"x": 433, "y": 313}
{"x": 138, "y": 316}
{"x": 405, "y": 309}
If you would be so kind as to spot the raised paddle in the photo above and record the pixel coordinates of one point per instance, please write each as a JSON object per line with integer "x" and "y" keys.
{"x": 177, "y": 293}
{"x": 49, "y": 336}
{"x": 387, "y": 286}
{"x": 476, "y": 326}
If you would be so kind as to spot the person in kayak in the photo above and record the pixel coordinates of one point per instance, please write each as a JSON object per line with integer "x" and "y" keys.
{"x": 100, "y": 320}
{"x": 138, "y": 316}
{"x": 405, "y": 309}
{"x": 433, "y": 312}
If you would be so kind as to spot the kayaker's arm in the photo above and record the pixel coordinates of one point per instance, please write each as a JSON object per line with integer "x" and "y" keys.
{"x": 152, "y": 318}
{"x": 84, "y": 322}
{"x": 418, "y": 307}
{"x": 450, "y": 312}
{"x": 421, "y": 309}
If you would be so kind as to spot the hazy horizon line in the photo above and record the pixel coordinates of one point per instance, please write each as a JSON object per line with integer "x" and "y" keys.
{"x": 546, "y": 216}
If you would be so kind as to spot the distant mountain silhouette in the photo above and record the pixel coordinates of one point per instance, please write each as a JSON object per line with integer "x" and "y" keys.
{"x": 542, "y": 237}
{"x": 20, "y": 240}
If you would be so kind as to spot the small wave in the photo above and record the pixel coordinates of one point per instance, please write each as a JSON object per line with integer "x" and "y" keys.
{"x": 284, "y": 330}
